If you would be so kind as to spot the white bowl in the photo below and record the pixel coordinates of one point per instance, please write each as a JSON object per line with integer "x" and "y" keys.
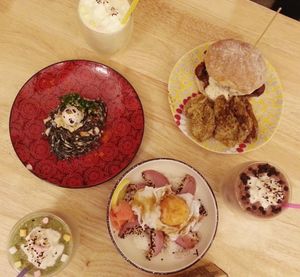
{"x": 165, "y": 263}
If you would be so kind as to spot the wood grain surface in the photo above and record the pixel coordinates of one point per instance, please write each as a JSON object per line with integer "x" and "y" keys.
{"x": 36, "y": 33}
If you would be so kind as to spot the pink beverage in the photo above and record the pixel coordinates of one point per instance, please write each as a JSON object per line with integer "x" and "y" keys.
{"x": 260, "y": 189}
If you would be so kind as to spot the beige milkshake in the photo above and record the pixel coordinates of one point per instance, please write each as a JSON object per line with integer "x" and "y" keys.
{"x": 102, "y": 24}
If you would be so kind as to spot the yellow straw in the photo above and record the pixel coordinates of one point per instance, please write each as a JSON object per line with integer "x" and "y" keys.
{"x": 130, "y": 11}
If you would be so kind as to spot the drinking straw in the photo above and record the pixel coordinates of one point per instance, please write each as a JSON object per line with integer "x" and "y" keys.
{"x": 24, "y": 271}
{"x": 268, "y": 26}
{"x": 293, "y": 206}
{"x": 130, "y": 11}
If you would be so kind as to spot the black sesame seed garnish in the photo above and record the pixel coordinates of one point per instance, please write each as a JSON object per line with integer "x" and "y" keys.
{"x": 286, "y": 188}
{"x": 261, "y": 208}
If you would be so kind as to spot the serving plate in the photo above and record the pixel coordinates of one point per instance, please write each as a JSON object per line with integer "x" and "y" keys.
{"x": 267, "y": 107}
{"x": 166, "y": 263}
{"x": 40, "y": 95}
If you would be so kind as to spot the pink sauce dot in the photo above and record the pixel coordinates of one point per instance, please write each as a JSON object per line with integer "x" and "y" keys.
{"x": 185, "y": 101}
{"x": 181, "y": 106}
{"x": 194, "y": 94}
{"x": 177, "y": 122}
{"x": 242, "y": 145}
{"x": 189, "y": 97}
{"x": 177, "y": 116}
{"x": 240, "y": 150}
{"x": 179, "y": 110}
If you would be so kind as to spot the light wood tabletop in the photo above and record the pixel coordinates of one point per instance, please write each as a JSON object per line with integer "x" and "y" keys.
{"x": 37, "y": 33}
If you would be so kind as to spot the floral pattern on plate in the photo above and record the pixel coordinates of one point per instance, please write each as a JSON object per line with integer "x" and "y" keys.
{"x": 40, "y": 95}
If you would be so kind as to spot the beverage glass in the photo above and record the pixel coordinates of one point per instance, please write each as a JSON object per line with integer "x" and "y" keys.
{"x": 41, "y": 221}
{"x": 259, "y": 189}
{"x": 102, "y": 27}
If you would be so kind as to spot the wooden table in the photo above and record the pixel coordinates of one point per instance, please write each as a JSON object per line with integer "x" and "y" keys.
{"x": 37, "y": 33}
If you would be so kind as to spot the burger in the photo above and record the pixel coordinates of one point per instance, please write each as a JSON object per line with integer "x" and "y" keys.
{"x": 231, "y": 68}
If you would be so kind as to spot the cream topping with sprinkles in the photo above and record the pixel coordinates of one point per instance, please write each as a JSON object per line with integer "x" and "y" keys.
{"x": 266, "y": 190}
{"x": 103, "y": 15}
{"x": 42, "y": 247}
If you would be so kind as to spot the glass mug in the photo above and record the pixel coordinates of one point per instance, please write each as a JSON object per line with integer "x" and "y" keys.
{"x": 107, "y": 39}
{"x": 259, "y": 196}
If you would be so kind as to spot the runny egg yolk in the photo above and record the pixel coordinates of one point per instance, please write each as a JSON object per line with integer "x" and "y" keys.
{"x": 174, "y": 210}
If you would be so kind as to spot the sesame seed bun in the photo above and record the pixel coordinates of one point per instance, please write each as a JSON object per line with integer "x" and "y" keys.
{"x": 236, "y": 64}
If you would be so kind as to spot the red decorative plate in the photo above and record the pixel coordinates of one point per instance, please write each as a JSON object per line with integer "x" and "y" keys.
{"x": 40, "y": 95}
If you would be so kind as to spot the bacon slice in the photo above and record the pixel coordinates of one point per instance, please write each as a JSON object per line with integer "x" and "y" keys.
{"x": 188, "y": 185}
{"x": 202, "y": 75}
{"x": 129, "y": 227}
{"x": 186, "y": 241}
{"x": 156, "y": 243}
{"x": 155, "y": 178}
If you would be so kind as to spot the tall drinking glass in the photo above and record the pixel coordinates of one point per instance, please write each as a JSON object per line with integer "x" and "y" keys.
{"x": 102, "y": 27}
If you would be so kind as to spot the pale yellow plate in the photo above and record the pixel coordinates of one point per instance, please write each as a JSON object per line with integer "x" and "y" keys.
{"x": 267, "y": 107}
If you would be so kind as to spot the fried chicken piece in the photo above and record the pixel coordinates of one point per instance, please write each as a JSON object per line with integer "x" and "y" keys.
{"x": 227, "y": 125}
{"x": 238, "y": 106}
{"x": 200, "y": 110}
{"x": 253, "y": 134}
{"x": 235, "y": 120}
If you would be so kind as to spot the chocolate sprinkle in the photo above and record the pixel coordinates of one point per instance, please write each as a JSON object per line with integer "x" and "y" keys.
{"x": 244, "y": 178}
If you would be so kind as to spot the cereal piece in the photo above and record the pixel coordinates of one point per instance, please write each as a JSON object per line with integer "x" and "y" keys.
{"x": 23, "y": 233}
{"x": 12, "y": 250}
{"x": 64, "y": 258}
{"x": 18, "y": 264}
{"x": 45, "y": 220}
{"x": 37, "y": 273}
{"x": 67, "y": 237}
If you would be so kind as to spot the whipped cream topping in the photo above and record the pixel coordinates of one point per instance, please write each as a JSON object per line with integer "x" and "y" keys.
{"x": 42, "y": 247}
{"x": 70, "y": 118}
{"x": 266, "y": 190}
{"x": 103, "y": 15}
{"x": 213, "y": 90}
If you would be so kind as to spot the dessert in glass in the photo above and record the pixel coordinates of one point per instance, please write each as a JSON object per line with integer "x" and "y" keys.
{"x": 102, "y": 26}
{"x": 258, "y": 188}
{"x": 41, "y": 243}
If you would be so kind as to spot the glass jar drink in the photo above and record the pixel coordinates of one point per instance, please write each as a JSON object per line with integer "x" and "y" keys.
{"x": 41, "y": 243}
{"x": 102, "y": 26}
{"x": 258, "y": 188}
